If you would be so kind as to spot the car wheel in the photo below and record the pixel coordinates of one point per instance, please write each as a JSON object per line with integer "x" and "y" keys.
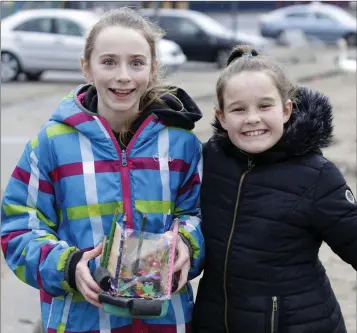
{"x": 351, "y": 39}
{"x": 222, "y": 57}
{"x": 10, "y": 67}
{"x": 34, "y": 76}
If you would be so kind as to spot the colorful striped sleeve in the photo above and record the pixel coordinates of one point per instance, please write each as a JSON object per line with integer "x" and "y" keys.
{"x": 29, "y": 236}
{"x": 188, "y": 211}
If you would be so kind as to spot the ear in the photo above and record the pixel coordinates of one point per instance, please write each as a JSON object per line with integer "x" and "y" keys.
{"x": 288, "y": 108}
{"x": 221, "y": 118}
{"x": 86, "y": 70}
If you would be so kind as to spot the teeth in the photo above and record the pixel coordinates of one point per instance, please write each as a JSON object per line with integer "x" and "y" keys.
{"x": 254, "y": 133}
{"x": 121, "y": 91}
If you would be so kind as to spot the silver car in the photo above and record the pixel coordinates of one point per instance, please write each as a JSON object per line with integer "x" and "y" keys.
{"x": 36, "y": 40}
{"x": 325, "y": 22}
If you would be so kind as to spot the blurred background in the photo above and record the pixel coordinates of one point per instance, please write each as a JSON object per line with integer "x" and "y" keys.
{"x": 41, "y": 45}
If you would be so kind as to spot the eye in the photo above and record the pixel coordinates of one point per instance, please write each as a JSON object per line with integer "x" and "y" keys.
{"x": 238, "y": 110}
{"x": 108, "y": 62}
{"x": 265, "y": 106}
{"x": 137, "y": 63}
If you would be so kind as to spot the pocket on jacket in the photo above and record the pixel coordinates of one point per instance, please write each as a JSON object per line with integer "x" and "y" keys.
{"x": 255, "y": 314}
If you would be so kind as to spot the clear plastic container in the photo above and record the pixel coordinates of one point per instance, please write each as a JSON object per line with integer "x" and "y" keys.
{"x": 140, "y": 265}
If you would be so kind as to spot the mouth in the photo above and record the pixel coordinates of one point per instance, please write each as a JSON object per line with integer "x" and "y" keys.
{"x": 122, "y": 92}
{"x": 254, "y": 133}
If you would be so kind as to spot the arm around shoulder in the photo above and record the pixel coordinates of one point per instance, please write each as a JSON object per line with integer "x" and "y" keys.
{"x": 335, "y": 213}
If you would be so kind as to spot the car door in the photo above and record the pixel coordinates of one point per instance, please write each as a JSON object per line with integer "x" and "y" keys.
{"x": 70, "y": 44}
{"x": 34, "y": 38}
{"x": 301, "y": 20}
{"x": 327, "y": 28}
{"x": 193, "y": 41}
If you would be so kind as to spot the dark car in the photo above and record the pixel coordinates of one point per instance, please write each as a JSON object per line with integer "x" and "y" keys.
{"x": 200, "y": 37}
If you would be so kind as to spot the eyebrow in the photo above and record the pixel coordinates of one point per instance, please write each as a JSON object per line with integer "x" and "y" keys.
{"x": 268, "y": 99}
{"x": 112, "y": 55}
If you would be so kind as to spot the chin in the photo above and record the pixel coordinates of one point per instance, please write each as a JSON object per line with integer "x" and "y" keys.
{"x": 256, "y": 150}
{"x": 122, "y": 108}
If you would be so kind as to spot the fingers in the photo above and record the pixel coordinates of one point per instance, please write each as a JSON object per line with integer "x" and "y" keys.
{"x": 183, "y": 276}
{"x": 86, "y": 285}
{"x": 183, "y": 255}
{"x": 88, "y": 279}
{"x": 84, "y": 280}
{"x": 93, "y": 253}
{"x": 88, "y": 293}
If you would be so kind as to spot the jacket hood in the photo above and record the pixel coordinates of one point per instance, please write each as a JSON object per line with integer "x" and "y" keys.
{"x": 176, "y": 109}
{"x": 308, "y": 130}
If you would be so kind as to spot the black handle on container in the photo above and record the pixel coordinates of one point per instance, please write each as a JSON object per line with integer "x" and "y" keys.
{"x": 103, "y": 278}
{"x": 136, "y": 306}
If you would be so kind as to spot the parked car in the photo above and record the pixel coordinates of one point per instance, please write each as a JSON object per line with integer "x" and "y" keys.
{"x": 326, "y": 22}
{"x": 200, "y": 37}
{"x": 36, "y": 40}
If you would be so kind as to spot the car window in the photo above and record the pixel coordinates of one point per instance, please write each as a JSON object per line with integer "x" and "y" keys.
{"x": 299, "y": 15}
{"x": 67, "y": 27}
{"x": 179, "y": 25}
{"x": 323, "y": 16}
{"x": 43, "y": 25}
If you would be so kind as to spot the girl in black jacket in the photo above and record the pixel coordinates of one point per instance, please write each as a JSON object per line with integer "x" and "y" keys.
{"x": 269, "y": 199}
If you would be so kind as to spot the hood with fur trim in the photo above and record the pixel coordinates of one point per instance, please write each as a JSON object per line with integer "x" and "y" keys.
{"x": 308, "y": 130}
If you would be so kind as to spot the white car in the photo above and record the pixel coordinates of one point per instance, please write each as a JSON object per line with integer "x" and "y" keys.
{"x": 318, "y": 21}
{"x": 36, "y": 40}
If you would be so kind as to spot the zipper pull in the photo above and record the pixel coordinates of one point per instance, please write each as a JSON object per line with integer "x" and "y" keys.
{"x": 250, "y": 163}
{"x": 275, "y": 303}
{"x": 123, "y": 158}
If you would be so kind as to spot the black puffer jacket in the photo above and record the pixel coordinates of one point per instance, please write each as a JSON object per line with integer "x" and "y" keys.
{"x": 264, "y": 219}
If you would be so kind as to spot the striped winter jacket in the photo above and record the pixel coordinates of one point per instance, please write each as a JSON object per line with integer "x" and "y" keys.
{"x": 63, "y": 193}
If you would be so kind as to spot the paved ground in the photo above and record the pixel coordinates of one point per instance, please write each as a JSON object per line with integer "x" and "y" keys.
{"x": 25, "y": 106}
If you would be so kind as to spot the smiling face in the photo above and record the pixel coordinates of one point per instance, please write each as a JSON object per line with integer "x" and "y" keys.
{"x": 254, "y": 114}
{"x": 120, "y": 67}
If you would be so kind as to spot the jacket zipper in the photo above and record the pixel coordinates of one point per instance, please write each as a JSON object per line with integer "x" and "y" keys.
{"x": 125, "y": 186}
{"x": 124, "y": 168}
{"x": 273, "y": 311}
{"x": 250, "y": 166}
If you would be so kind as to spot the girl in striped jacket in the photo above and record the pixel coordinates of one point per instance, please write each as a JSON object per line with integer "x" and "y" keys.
{"x": 120, "y": 142}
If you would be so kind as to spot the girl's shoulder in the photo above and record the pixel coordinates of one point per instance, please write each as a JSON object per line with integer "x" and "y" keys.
{"x": 314, "y": 160}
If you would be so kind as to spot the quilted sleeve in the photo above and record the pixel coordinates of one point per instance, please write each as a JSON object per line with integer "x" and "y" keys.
{"x": 335, "y": 214}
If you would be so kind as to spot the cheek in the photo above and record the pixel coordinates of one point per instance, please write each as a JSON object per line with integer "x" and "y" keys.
{"x": 100, "y": 77}
{"x": 141, "y": 77}
{"x": 277, "y": 126}
{"x": 232, "y": 124}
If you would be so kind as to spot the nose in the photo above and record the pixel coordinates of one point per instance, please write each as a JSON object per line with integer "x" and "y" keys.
{"x": 252, "y": 117}
{"x": 122, "y": 74}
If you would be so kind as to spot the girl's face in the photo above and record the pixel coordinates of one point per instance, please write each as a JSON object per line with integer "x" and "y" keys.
{"x": 254, "y": 114}
{"x": 120, "y": 68}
